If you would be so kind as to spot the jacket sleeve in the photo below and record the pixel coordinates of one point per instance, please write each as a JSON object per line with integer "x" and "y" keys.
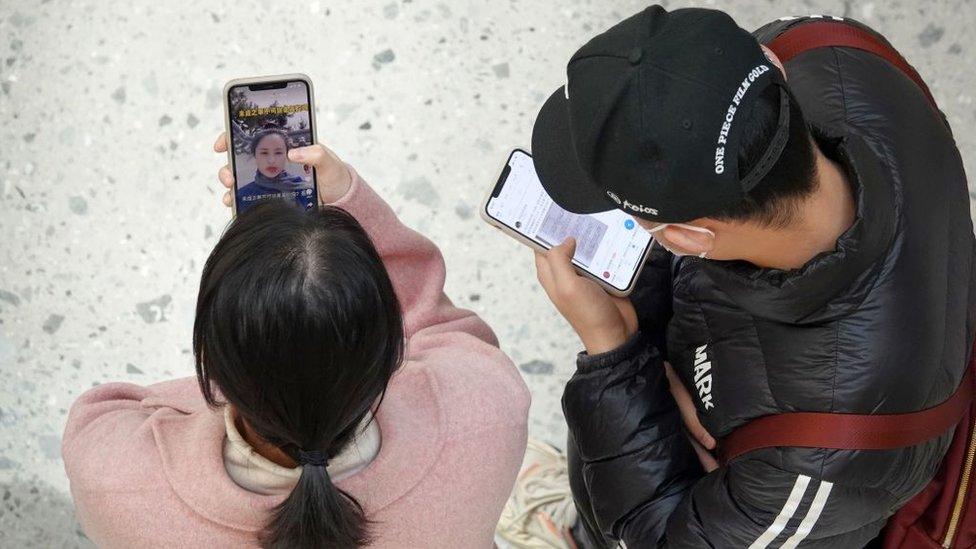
{"x": 414, "y": 264}
{"x": 645, "y": 487}
{"x": 434, "y": 327}
{"x": 636, "y": 462}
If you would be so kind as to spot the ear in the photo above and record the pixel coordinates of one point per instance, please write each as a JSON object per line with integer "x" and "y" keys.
{"x": 773, "y": 59}
{"x": 687, "y": 240}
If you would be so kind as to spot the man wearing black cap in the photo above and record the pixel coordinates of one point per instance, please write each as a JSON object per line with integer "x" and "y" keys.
{"x": 816, "y": 254}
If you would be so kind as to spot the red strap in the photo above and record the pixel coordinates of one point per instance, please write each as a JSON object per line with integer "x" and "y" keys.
{"x": 807, "y": 36}
{"x": 849, "y": 431}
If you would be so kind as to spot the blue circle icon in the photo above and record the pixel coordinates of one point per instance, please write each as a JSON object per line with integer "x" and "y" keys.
{"x": 629, "y": 224}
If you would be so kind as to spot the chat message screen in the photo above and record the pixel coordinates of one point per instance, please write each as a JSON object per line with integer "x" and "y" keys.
{"x": 266, "y": 121}
{"x": 609, "y": 245}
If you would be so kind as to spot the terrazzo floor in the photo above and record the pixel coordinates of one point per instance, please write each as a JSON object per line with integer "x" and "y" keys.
{"x": 109, "y": 201}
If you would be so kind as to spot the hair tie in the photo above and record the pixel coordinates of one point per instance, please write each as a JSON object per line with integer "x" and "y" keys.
{"x": 313, "y": 457}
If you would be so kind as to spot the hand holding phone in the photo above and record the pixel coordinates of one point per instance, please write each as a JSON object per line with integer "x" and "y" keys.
{"x": 333, "y": 176}
{"x": 611, "y": 247}
{"x": 603, "y": 322}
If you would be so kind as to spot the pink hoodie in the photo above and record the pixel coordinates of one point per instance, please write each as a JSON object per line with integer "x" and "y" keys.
{"x": 146, "y": 463}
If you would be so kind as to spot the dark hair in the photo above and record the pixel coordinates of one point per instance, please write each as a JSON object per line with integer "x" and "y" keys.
{"x": 773, "y": 201}
{"x": 298, "y": 327}
{"x": 269, "y": 130}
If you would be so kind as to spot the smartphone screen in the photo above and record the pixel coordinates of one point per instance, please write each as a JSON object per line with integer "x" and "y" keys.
{"x": 610, "y": 245}
{"x": 266, "y": 121}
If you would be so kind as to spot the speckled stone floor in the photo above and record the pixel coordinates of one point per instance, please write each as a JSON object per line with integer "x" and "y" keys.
{"x": 109, "y": 201}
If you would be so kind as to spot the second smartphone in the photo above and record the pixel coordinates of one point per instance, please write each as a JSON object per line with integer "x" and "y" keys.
{"x": 266, "y": 117}
{"x": 611, "y": 247}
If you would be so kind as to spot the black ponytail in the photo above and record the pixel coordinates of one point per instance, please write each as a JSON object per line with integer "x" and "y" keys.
{"x": 299, "y": 329}
{"x": 317, "y": 510}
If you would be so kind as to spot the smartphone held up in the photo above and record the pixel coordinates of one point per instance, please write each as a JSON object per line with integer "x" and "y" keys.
{"x": 266, "y": 117}
{"x": 611, "y": 247}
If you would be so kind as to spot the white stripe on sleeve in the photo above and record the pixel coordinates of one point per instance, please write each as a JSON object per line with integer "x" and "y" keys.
{"x": 789, "y": 509}
{"x": 803, "y": 530}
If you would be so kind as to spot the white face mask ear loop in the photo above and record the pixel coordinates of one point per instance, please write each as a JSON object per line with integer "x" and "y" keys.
{"x": 702, "y": 255}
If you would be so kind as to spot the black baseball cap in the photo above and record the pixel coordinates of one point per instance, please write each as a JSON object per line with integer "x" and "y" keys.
{"x": 649, "y": 119}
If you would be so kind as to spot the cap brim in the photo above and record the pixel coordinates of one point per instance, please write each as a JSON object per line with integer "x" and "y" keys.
{"x": 556, "y": 162}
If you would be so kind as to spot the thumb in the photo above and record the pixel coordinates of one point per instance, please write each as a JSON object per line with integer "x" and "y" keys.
{"x": 314, "y": 155}
{"x": 567, "y": 249}
{"x": 561, "y": 259}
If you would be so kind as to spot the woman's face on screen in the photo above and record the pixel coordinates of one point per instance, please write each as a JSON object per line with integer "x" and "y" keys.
{"x": 270, "y": 155}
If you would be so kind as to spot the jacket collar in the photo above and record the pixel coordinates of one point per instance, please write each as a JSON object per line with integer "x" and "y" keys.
{"x": 411, "y": 420}
{"x": 832, "y": 284}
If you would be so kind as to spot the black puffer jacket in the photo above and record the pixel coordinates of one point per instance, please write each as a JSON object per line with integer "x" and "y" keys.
{"x": 884, "y": 324}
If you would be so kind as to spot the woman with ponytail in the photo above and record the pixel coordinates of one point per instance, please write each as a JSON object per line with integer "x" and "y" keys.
{"x": 340, "y": 400}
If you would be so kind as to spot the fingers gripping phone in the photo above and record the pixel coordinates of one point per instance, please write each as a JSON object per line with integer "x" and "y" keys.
{"x": 611, "y": 247}
{"x": 266, "y": 117}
